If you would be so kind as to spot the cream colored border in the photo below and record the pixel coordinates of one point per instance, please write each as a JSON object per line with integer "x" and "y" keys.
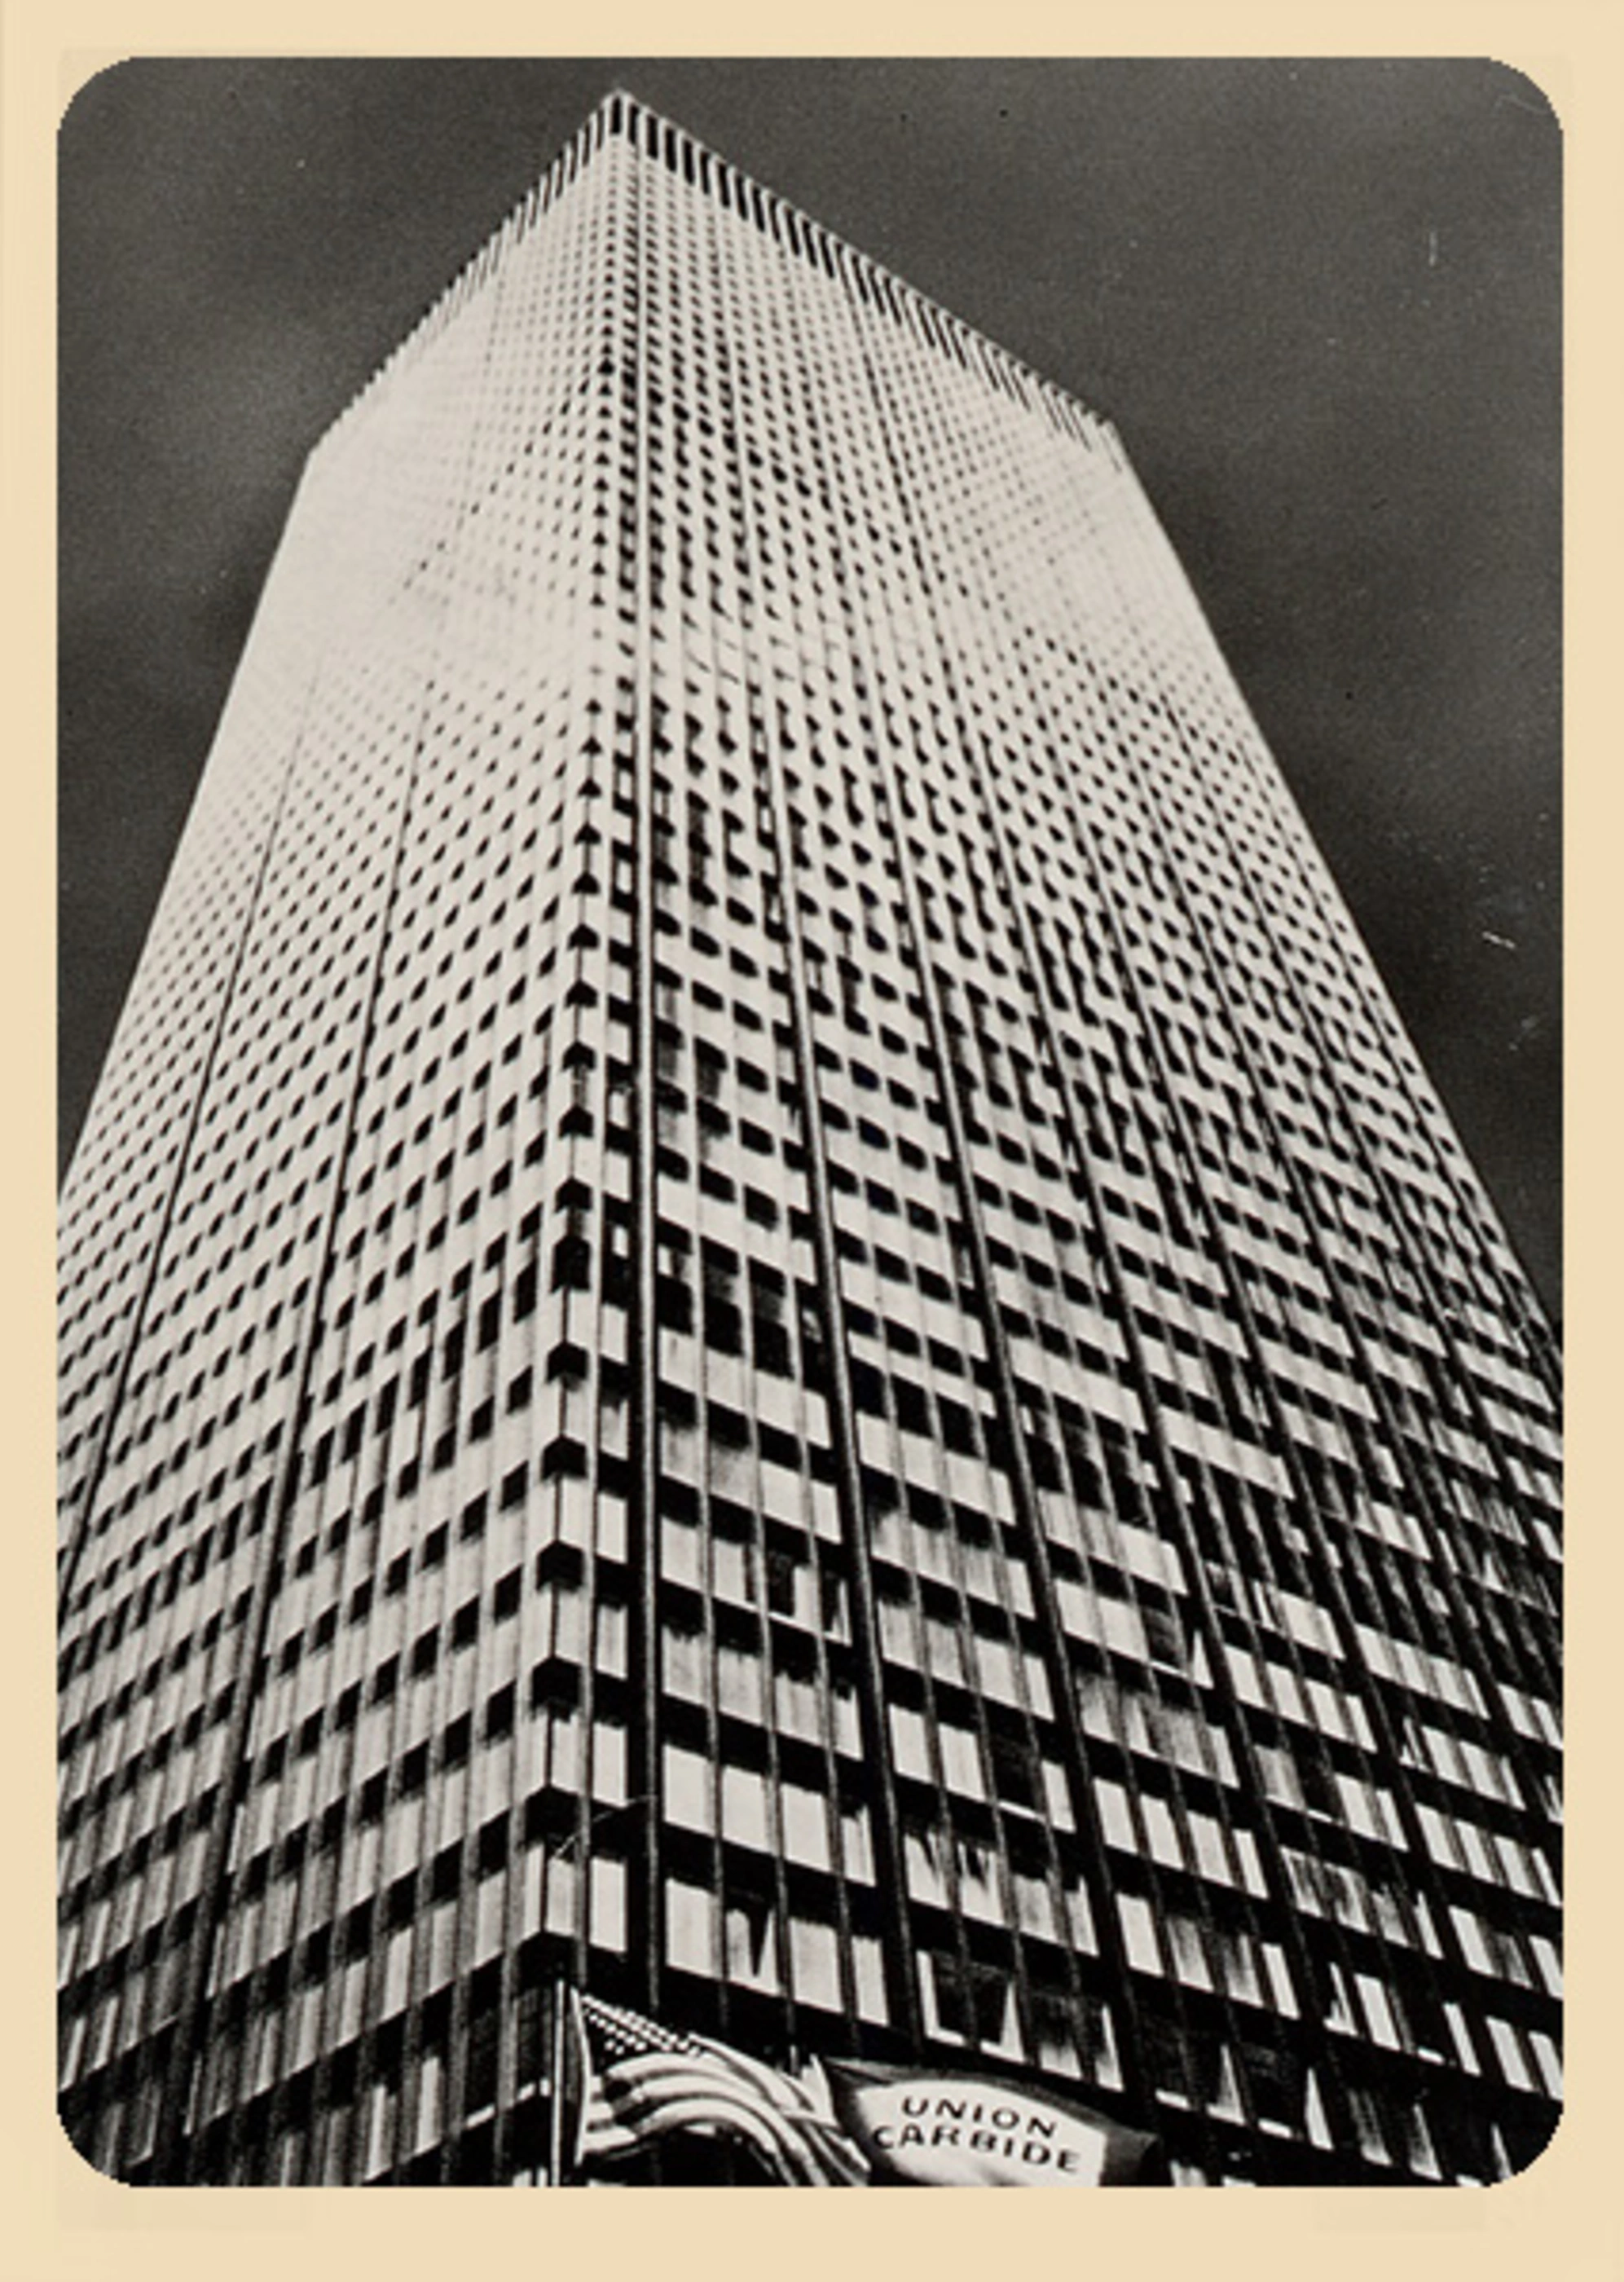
{"x": 60, "y": 2219}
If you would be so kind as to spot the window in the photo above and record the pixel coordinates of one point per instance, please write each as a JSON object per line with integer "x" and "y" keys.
{"x": 972, "y": 2002}
{"x": 1016, "y": 1771}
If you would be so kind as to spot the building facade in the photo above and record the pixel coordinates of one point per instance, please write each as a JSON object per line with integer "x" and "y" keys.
{"x": 761, "y": 1307}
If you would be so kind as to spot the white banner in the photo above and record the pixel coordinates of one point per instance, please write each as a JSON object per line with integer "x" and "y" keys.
{"x": 959, "y": 2131}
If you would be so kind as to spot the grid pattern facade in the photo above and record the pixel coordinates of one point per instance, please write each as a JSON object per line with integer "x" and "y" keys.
{"x": 762, "y": 1305}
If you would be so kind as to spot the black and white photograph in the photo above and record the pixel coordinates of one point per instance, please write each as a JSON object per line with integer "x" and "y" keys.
{"x": 810, "y": 1063}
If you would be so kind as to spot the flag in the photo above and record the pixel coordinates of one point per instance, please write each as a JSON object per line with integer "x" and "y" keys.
{"x": 640, "y": 2081}
{"x": 920, "y": 2128}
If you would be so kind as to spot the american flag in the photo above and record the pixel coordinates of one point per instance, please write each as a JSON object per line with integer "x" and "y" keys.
{"x": 640, "y": 2081}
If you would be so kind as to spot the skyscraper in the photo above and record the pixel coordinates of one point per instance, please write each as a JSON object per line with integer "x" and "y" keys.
{"x": 762, "y": 1308}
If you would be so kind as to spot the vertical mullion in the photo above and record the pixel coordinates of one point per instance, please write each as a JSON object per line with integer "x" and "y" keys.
{"x": 644, "y": 1927}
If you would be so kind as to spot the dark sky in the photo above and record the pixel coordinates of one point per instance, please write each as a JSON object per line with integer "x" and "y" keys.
{"x": 1320, "y": 300}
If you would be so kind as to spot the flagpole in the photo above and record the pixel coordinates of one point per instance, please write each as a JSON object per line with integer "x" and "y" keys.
{"x": 557, "y": 2071}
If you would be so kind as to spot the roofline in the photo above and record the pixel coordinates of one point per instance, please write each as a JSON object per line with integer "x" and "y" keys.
{"x": 1051, "y": 393}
